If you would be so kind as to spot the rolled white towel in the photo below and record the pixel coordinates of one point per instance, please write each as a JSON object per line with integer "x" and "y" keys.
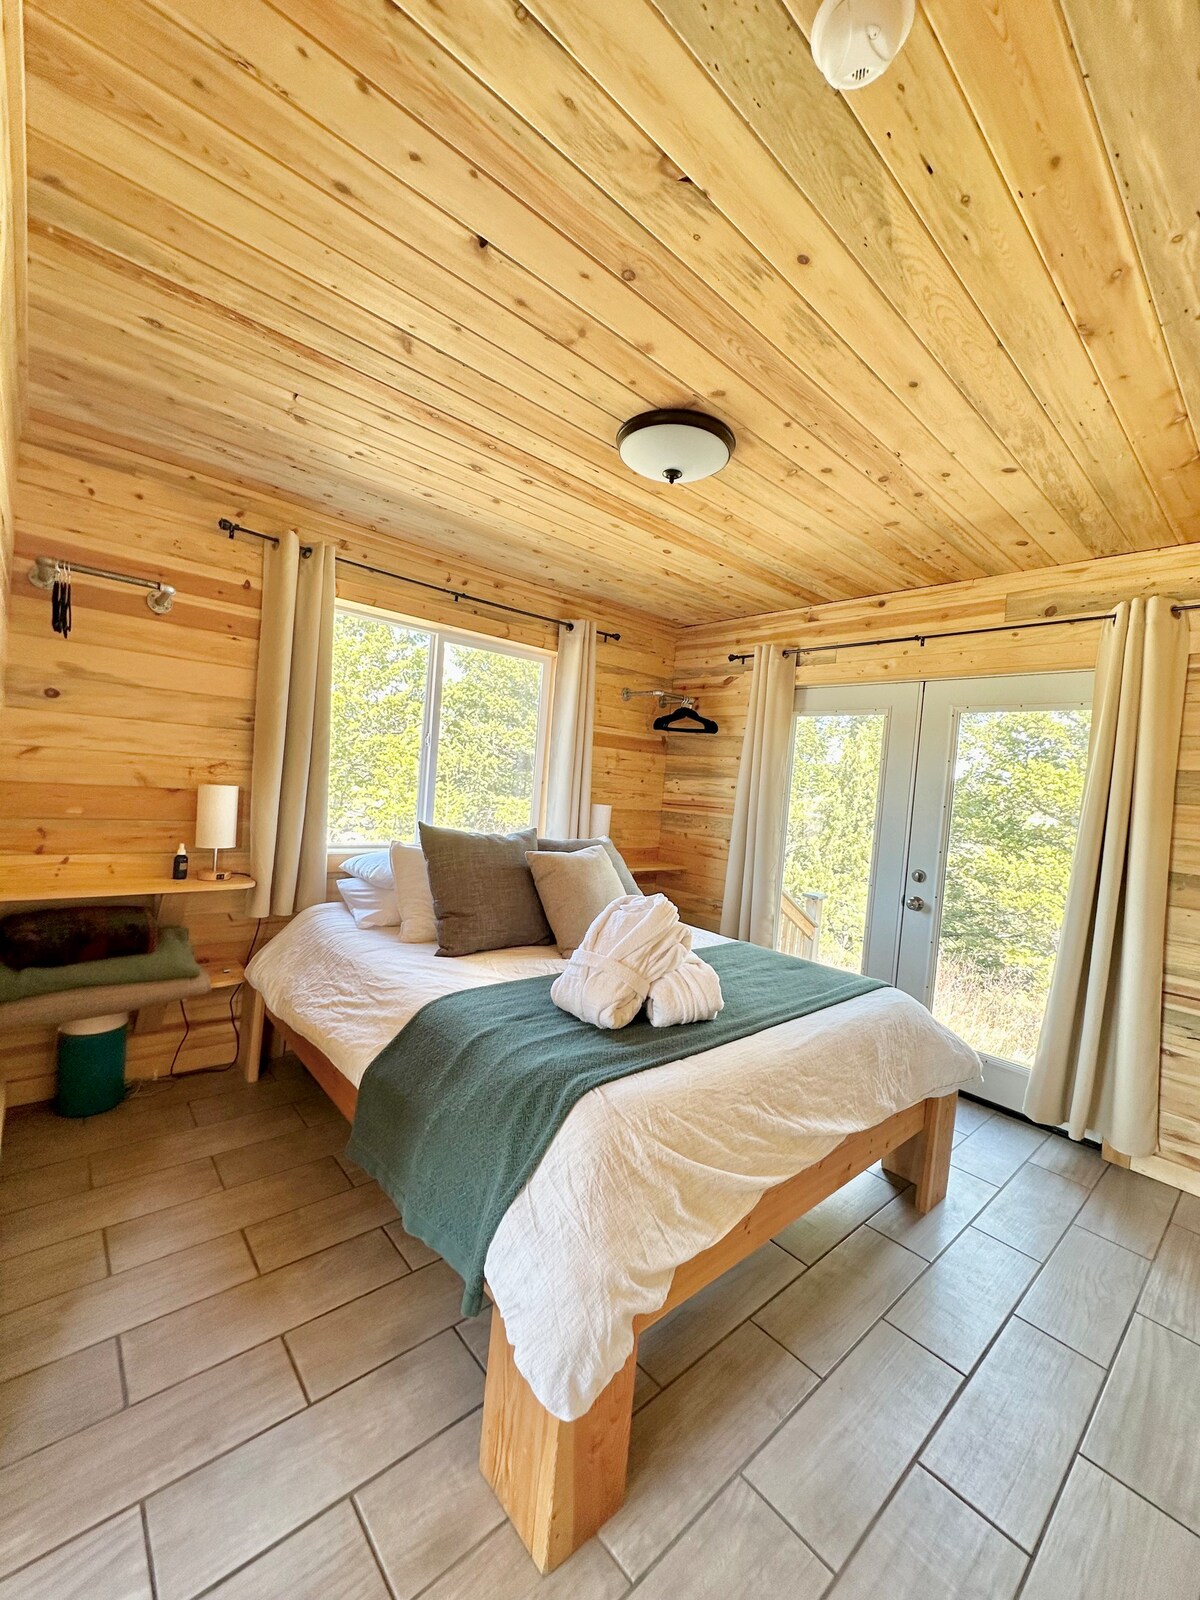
{"x": 691, "y": 993}
{"x": 634, "y": 941}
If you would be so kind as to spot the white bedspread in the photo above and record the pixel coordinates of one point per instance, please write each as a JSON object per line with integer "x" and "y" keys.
{"x": 646, "y": 1171}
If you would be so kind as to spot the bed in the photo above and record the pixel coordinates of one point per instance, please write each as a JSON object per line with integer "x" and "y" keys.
{"x": 654, "y": 1185}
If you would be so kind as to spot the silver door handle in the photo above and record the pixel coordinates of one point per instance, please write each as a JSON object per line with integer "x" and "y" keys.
{"x": 915, "y": 903}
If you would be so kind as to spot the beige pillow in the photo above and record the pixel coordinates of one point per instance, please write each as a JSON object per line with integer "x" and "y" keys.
{"x": 574, "y": 888}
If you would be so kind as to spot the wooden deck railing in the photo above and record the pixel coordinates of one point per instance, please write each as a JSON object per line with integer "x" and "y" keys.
{"x": 800, "y": 925}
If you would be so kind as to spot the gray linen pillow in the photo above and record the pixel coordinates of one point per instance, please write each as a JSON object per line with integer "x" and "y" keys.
{"x": 574, "y": 887}
{"x": 610, "y": 849}
{"x": 483, "y": 891}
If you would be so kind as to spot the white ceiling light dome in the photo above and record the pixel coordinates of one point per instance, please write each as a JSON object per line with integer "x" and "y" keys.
{"x": 675, "y": 446}
{"x": 854, "y": 41}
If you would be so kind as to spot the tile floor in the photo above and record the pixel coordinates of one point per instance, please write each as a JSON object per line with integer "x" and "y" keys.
{"x": 226, "y": 1370}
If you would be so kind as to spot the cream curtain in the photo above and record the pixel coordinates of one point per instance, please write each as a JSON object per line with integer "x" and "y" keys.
{"x": 754, "y": 875}
{"x": 1097, "y": 1060}
{"x": 572, "y": 723}
{"x": 289, "y": 795}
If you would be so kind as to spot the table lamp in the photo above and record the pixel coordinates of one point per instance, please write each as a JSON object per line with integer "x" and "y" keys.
{"x": 216, "y": 825}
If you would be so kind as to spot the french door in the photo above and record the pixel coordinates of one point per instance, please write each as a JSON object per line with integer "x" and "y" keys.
{"x": 930, "y": 833}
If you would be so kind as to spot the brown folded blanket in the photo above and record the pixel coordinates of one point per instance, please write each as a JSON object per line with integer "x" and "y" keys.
{"x": 63, "y": 936}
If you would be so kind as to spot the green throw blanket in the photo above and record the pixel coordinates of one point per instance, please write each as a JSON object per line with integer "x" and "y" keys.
{"x": 455, "y": 1113}
{"x": 172, "y": 959}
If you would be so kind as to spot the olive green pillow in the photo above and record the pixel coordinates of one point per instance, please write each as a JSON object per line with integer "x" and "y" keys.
{"x": 483, "y": 892}
{"x": 574, "y": 888}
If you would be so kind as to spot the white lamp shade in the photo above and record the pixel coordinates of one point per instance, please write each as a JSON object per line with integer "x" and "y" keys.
{"x": 601, "y": 821}
{"x": 674, "y": 451}
{"x": 216, "y": 816}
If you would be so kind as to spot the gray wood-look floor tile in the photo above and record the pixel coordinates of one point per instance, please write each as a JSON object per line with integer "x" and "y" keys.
{"x": 67, "y": 1322}
{"x": 995, "y": 1151}
{"x": 500, "y": 1569}
{"x": 162, "y": 1232}
{"x": 956, "y": 1308}
{"x": 69, "y": 1486}
{"x": 1130, "y": 1209}
{"x": 41, "y": 1137}
{"x": 694, "y": 1435}
{"x": 415, "y": 1251}
{"x": 815, "y": 1234}
{"x": 261, "y": 1096}
{"x": 829, "y": 1309}
{"x": 329, "y": 1559}
{"x": 1145, "y": 1428}
{"x": 1187, "y": 1212}
{"x": 173, "y": 1347}
{"x": 969, "y": 1115}
{"x": 682, "y": 1337}
{"x": 1172, "y": 1292}
{"x": 54, "y": 1269}
{"x": 206, "y": 1525}
{"x": 737, "y": 1550}
{"x": 835, "y": 1461}
{"x": 51, "y": 1402}
{"x": 476, "y": 1333}
{"x": 1033, "y": 1210}
{"x": 341, "y": 1345}
{"x": 342, "y": 1215}
{"x": 1107, "y": 1543}
{"x": 1070, "y": 1159}
{"x": 430, "y": 1509}
{"x": 929, "y": 1235}
{"x": 172, "y": 1149}
{"x": 65, "y": 1217}
{"x": 1084, "y": 1294}
{"x": 260, "y": 1160}
{"x": 1008, "y": 1440}
{"x": 928, "y": 1545}
{"x": 107, "y": 1563}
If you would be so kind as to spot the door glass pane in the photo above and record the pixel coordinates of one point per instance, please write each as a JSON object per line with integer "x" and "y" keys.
{"x": 487, "y": 741}
{"x": 378, "y": 706}
{"x": 1017, "y": 789}
{"x": 837, "y": 768}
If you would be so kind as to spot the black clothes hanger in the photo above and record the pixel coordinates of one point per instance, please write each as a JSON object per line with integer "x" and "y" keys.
{"x": 685, "y": 714}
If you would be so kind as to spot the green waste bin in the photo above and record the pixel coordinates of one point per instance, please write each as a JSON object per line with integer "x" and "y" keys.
{"x": 91, "y": 1065}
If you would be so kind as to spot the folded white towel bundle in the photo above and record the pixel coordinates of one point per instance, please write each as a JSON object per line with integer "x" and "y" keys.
{"x": 636, "y": 944}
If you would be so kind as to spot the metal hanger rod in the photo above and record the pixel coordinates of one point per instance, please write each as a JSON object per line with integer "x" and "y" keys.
{"x": 159, "y": 599}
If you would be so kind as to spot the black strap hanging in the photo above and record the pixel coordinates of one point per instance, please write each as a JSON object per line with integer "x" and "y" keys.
{"x": 60, "y": 599}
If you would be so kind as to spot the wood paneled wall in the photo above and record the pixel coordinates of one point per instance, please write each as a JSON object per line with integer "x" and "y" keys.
{"x": 12, "y": 279}
{"x": 106, "y": 735}
{"x": 702, "y": 773}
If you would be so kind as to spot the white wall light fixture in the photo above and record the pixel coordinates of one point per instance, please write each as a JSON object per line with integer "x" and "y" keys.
{"x": 675, "y": 446}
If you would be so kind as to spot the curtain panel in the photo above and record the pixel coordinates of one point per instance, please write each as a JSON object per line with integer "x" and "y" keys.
{"x": 572, "y": 727}
{"x": 754, "y": 874}
{"x": 289, "y": 795}
{"x": 1098, "y": 1057}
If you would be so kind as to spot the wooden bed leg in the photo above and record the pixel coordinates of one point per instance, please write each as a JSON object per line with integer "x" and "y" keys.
{"x": 558, "y": 1481}
{"x": 252, "y": 1020}
{"x": 925, "y": 1159}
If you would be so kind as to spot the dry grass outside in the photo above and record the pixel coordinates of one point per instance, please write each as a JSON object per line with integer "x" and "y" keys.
{"x": 999, "y": 1013}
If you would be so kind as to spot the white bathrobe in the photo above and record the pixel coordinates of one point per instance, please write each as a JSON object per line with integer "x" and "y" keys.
{"x": 632, "y": 943}
{"x": 690, "y": 993}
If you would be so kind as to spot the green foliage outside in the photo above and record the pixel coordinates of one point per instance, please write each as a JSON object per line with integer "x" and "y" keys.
{"x": 1018, "y": 787}
{"x": 486, "y": 742}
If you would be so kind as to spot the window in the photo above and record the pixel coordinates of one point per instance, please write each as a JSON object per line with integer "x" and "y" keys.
{"x": 433, "y": 726}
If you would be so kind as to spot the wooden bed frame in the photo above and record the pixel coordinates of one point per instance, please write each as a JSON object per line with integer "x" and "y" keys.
{"x": 559, "y": 1481}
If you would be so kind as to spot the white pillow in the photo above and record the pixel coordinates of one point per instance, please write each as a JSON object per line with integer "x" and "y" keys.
{"x": 373, "y": 866}
{"x": 410, "y": 884}
{"x": 370, "y": 904}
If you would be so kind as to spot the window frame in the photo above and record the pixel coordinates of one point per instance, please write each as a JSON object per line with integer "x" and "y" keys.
{"x": 439, "y": 637}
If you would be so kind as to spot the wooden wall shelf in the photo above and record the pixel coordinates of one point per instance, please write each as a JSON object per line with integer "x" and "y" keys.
{"x": 25, "y": 886}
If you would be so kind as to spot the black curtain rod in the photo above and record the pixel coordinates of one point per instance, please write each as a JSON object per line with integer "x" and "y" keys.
{"x": 951, "y": 633}
{"x": 234, "y": 528}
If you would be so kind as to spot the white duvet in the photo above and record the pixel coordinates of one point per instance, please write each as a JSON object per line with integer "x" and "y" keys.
{"x": 646, "y": 1171}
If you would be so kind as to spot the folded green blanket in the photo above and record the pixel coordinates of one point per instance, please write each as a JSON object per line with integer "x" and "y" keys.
{"x": 172, "y": 959}
{"x": 455, "y": 1113}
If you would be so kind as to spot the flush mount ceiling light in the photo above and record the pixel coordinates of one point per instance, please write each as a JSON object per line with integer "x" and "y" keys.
{"x": 675, "y": 446}
{"x": 854, "y": 41}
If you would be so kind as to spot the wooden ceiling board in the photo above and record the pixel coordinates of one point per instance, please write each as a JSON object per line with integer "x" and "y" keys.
{"x": 414, "y": 264}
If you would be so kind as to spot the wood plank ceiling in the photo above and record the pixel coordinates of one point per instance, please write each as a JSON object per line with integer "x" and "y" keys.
{"x": 415, "y": 262}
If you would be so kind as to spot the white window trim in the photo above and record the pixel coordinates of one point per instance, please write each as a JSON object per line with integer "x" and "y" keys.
{"x": 439, "y": 637}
